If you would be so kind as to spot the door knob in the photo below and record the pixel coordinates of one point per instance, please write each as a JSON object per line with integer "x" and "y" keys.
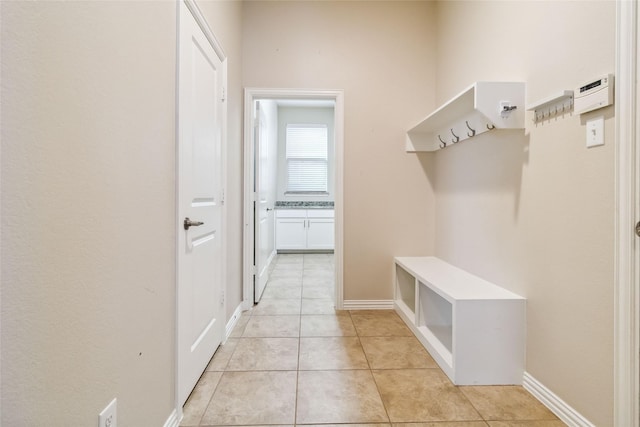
{"x": 188, "y": 223}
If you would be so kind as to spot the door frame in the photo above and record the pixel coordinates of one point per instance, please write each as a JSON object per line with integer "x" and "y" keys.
{"x": 627, "y": 265}
{"x": 257, "y": 94}
{"x": 217, "y": 47}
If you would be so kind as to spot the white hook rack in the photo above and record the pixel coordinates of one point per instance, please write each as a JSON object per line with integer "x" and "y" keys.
{"x": 481, "y": 107}
{"x": 558, "y": 103}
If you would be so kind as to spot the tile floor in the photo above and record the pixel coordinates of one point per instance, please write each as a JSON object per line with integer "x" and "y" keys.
{"x": 294, "y": 360}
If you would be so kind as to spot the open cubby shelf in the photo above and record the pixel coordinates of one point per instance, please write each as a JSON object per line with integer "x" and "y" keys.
{"x": 473, "y": 329}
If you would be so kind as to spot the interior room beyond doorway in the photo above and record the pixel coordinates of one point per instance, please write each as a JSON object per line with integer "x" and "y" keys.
{"x": 294, "y": 184}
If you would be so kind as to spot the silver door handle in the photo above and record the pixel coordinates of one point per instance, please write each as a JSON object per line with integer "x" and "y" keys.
{"x": 188, "y": 223}
{"x": 269, "y": 209}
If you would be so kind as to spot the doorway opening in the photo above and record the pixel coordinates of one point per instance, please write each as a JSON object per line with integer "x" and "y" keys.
{"x": 293, "y": 157}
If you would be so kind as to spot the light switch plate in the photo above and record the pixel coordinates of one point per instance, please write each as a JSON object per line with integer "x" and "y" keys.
{"x": 595, "y": 132}
{"x": 108, "y": 416}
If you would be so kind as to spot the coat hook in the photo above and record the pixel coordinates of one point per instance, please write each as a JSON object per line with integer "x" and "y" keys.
{"x": 442, "y": 143}
{"x": 473, "y": 131}
{"x": 490, "y": 127}
{"x": 457, "y": 138}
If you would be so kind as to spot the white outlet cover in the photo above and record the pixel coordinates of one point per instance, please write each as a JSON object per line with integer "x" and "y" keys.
{"x": 595, "y": 132}
{"x": 108, "y": 416}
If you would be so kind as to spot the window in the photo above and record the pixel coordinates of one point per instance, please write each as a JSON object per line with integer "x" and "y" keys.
{"x": 306, "y": 153}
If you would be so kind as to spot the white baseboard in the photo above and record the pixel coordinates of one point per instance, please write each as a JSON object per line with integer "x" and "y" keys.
{"x": 232, "y": 322}
{"x": 383, "y": 304}
{"x": 173, "y": 420}
{"x": 566, "y": 413}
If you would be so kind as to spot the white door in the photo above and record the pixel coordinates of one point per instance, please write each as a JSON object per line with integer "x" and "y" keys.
{"x": 265, "y": 198}
{"x": 200, "y": 190}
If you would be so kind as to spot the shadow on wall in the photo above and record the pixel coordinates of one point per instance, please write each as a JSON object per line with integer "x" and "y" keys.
{"x": 491, "y": 163}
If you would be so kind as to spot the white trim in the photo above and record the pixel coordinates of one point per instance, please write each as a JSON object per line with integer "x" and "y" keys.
{"x": 248, "y": 199}
{"x": 372, "y": 304}
{"x": 338, "y": 195}
{"x": 626, "y": 290}
{"x": 566, "y": 413}
{"x": 178, "y": 408}
{"x": 233, "y": 321}
{"x": 173, "y": 420}
{"x": 250, "y": 95}
{"x": 204, "y": 25}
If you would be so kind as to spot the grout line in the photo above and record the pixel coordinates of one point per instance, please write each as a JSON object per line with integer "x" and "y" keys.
{"x": 295, "y": 403}
{"x": 386, "y": 411}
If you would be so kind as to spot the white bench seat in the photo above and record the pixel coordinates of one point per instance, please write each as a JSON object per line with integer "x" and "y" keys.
{"x": 474, "y": 329}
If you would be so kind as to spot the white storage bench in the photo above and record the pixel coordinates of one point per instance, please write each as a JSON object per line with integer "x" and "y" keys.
{"x": 473, "y": 329}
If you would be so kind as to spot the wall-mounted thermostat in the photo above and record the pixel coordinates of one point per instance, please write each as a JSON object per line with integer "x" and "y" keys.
{"x": 594, "y": 94}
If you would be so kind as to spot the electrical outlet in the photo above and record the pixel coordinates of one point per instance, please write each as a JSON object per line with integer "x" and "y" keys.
{"x": 108, "y": 416}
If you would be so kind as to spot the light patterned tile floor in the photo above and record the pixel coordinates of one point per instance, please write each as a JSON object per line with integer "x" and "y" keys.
{"x": 295, "y": 360}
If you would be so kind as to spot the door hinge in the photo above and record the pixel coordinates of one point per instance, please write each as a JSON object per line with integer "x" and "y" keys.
{"x": 224, "y": 94}
{"x": 253, "y": 270}
{"x": 222, "y": 298}
{"x": 222, "y": 198}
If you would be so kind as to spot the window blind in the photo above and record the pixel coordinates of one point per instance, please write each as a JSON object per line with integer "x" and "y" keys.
{"x": 307, "y": 158}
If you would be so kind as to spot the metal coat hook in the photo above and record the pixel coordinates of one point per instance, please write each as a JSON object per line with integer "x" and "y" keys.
{"x": 473, "y": 131}
{"x": 442, "y": 143}
{"x": 457, "y": 138}
{"x": 490, "y": 127}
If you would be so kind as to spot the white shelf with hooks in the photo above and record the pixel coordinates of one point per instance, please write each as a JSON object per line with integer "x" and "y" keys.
{"x": 555, "y": 104}
{"x": 481, "y": 107}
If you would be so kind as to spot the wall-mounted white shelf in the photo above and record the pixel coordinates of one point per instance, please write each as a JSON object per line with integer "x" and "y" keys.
{"x": 473, "y": 329}
{"x": 481, "y": 107}
{"x": 555, "y": 104}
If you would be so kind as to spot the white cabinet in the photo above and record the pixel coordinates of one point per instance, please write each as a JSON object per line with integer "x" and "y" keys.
{"x": 320, "y": 233}
{"x": 291, "y": 233}
{"x": 474, "y": 329}
{"x": 305, "y": 229}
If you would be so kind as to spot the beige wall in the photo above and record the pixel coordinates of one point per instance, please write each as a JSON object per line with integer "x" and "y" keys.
{"x": 88, "y": 229}
{"x": 88, "y": 207}
{"x": 381, "y": 55}
{"x": 534, "y": 211}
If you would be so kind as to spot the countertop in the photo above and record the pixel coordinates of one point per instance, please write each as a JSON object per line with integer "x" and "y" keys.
{"x": 304, "y": 205}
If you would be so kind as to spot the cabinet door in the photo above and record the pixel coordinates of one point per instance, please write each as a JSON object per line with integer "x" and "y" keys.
{"x": 291, "y": 233}
{"x": 320, "y": 233}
